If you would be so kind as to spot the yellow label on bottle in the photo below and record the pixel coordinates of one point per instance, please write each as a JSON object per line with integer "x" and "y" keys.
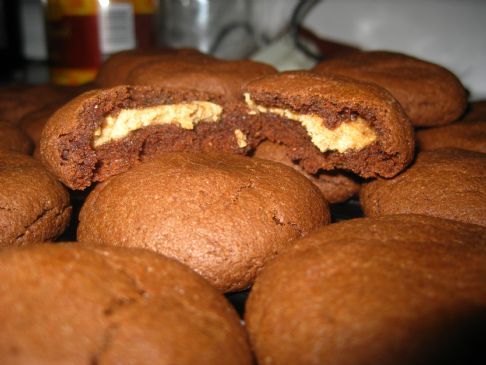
{"x": 72, "y": 76}
{"x": 144, "y": 6}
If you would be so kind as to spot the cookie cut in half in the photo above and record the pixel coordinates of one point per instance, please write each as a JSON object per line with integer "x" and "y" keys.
{"x": 331, "y": 122}
{"x": 105, "y": 132}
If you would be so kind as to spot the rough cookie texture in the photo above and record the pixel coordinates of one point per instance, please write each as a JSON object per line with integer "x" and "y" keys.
{"x": 332, "y": 122}
{"x": 429, "y": 93}
{"x": 446, "y": 183}
{"x": 17, "y": 101}
{"x": 33, "y": 123}
{"x": 402, "y": 289}
{"x": 115, "y": 70}
{"x": 207, "y": 74}
{"x": 475, "y": 111}
{"x": 336, "y": 186}
{"x": 69, "y": 304}
{"x": 466, "y": 135}
{"x": 14, "y": 139}
{"x": 224, "y": 216}
{"x": 69, "y": 145}
{"x": 34, "y": 206}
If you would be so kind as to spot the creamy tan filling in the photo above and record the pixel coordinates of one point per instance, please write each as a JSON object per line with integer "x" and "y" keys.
{"x": 185, "y": 115}
{"x": 349, "y": 135}
{"x": 240, "y": 138}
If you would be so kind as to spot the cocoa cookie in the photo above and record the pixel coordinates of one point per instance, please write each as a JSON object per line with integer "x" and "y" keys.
{"x": 336, "y": 186}
{"x": 17, "y": 101}
{"x": 71, "y": 304}
{"x": 33, "y": 123}
{"x": 396, "y": 290}
{"x": 34, "y": 206}
{"x": 14, "y": 139}
{"x": 476, "y": 110}
{"x": 446, "y": 183}
{"x": 105, "y": 132}
{"x": 331, "y": 122}
{"x": 429, "y": 93}
{"x": 213, "y": 75}
{"x": 114, "y": 70}
{"x": 224, "y": 216}
{"x": 466, "y": 135}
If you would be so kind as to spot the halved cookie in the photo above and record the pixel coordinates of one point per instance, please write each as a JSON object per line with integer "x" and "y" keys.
{"x": 331, "y": 122}
{"x": 105, "y": 132}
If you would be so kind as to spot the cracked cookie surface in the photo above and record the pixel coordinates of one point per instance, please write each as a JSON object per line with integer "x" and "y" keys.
{"x": 84, "y": 305}
{"x": 34, "y": 206}
{"x": 224, "y": 216}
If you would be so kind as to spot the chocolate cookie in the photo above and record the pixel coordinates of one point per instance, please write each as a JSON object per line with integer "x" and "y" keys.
{"x": 114, "y": 70}
{"x": 14, "y": 139}
{"x": 17, "y": 101}
{"x": 220, "y": 77}
{"x": 395, "y": 290}
{"x": 429, "y": 93}
{"x": 105, "y": 132}
{"x": 33, "y": 123}
{"x": 466, "y": 135}
{"x": 336, "y": 186}
{"x": 34, "y": 206}
{"x": 224, "y": 216}
{"x": 446, "y": 183}
{"x": 68, "y": 304}
{"x": 475, "y": 111}
{"x": 331, "y": 122}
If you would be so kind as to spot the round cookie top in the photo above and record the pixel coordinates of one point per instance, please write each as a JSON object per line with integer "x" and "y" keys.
{"x": 33, "y": 123}
{"x": 224, "y": 216}
{"x": 206, "y": 75}
{"x": 14, "y": 139}
{"x": 34, "y": 206}
{"x": 466, "y": 135}
{"x": 84, "y": 305}
{"x": 402, "y": 289}
{"x": 446, "y": 183}
{"x": 429, "y": 93}
{"x": 116, "y": 68}
{"x": 335, "y": 186}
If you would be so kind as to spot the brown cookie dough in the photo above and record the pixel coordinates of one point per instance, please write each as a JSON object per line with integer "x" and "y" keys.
{"x": 19, "y": 100}
{"x": 105, "y": 132}
{"x": 476, "y": 110}
{"x": 223, "y": 215}
{"x": 114, "y": 70}
{"x": 220, "y": 77}
{"x": 14, "y": 139}
{"x": 34, "y": 206}
{"x": 331, "y": 122}
{"x": 69, "y": 304}
{"x": 466, "y": 135}
{"x": 33, "y": 123}
{"x": 393, "y": 290}
{"x": 429, "y": 93}
{"x": 446, "y": 183}
{"x": 336, "y": 186}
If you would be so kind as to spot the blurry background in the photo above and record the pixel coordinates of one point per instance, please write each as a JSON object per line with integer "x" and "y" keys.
{"x": 449, "y": 32}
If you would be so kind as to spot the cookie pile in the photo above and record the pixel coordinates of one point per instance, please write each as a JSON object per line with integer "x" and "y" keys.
{"x": 177, "y": 177}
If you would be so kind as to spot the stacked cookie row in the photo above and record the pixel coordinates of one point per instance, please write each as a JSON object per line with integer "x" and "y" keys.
{"x": 160, "y": 163}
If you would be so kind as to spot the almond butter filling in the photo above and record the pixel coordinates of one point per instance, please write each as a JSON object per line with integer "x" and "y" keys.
{"x": 185, "y": 115}
{"x": 353, "y": 134}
